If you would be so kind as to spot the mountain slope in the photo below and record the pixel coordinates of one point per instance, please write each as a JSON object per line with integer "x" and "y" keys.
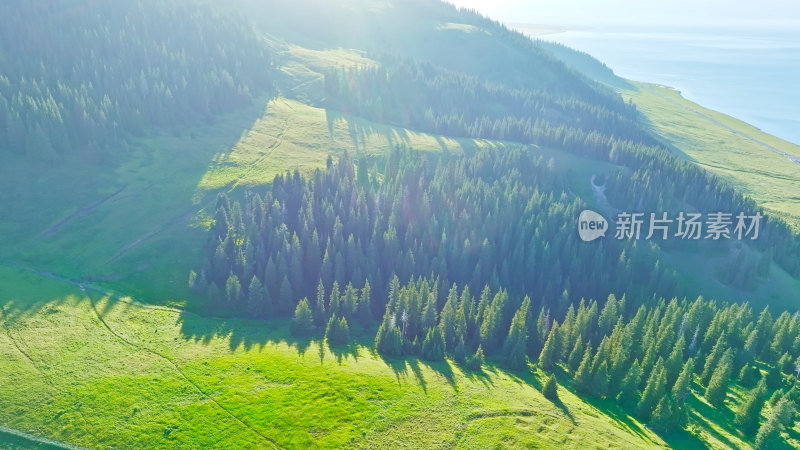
{"x": 105, "y": 343}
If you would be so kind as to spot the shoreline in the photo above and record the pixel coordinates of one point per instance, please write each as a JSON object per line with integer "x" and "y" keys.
{"x": 755, "y": 109}
{"x": 795, "y": 158}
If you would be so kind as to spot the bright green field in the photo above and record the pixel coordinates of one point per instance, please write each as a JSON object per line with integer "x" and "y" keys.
{"x": 99, "y": 372}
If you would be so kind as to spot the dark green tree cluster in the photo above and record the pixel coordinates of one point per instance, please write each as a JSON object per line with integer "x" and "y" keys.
{"x": 496, "y": 219}
{"x": 649, "y": 361}
{"x": 465, "y": 326}
{"x": 425, "y": 97}
{"x": 429, "y": 98}
{"x": 82, "y": 77}
{"x": 337, "y": 332}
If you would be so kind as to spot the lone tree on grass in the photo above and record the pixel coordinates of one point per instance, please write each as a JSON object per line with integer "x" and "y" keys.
{"x": 550, "y": 388}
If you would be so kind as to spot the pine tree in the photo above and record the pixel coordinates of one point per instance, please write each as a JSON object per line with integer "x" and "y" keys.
{"x": 388, "y": 340}
{"x": 675, "y": 361}
{"x": 460, "y": 353}
{"x": 712, "y": 359}
{"x": 516, "y": 343}
{"x": 319, "y": 305}
{"x": 784, "y": 411}
{"x": 574, "y": 358}
{"x": 583, "y": 377}
{"x": 429, "y": 313}
{"x": 550, "y": 388}
{"x": 433, "y": 345}
{"x": 286, "y": 296}
{"x": 303, "y": 322}
{"x": 661, "y": 418}
{"x": 491, "y": 328}
{"x": 653, "y": 391}
{"x": 447, "y": 320}
{"x": 630, "y": 384}
{"x": 748, "y": 375}
{"x": 608, "y": 316}
{"x": 233, "y": 290}
{"x": 337, "y": 332}
{"x": 365, "y": 305}
{"x": 680, "y": 390}
{"x": 768, "y": 434}
{"x": 600, "y": 381}
{"x": 335, "y": 300}
{"x": 749, "y": 413}
{"x": 718, "y": 385}
{"x": 548, "y": 357}
{"x": 476, "y": 361}
{"x": 773, "y": 377}
{"x": 256, "y": 297}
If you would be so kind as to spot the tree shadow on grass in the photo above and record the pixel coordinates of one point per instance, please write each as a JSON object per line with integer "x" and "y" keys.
{"x": 793, "y": 434}
{"x": 417, "y": 371}
{"x": 560, "y": 405}
{"x": 398, "y": 365}
{"x": 401, "y": 365}
{"x": 343, "y": 352}
{"x": 700, "y": 421}
{"x": 476, "y": 375}
{"x": 444, "y": 369}
{"x": 614, "y": 412}
{"x": 700, "y": 412}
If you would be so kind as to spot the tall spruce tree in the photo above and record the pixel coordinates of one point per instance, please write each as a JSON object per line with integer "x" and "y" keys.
{"x": 748, "y": 414}
{"x": 549, "y": 356}
{"x": 653, "y": 391}
{"x": 718, "y": 385}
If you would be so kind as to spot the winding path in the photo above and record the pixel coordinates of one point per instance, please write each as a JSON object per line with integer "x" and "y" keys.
{"x": 81, "y": 212}
{"x": 790, "y": 157}
{"x": 83, "y": 285}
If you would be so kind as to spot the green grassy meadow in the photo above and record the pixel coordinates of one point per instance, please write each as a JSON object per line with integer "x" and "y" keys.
{"x": 98, "y": 370}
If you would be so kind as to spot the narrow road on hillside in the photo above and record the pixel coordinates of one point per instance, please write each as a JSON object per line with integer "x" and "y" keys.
{"x": 36, "y": 440}
{"x": 790, "y": 157}
{"x": 81, "y": 212}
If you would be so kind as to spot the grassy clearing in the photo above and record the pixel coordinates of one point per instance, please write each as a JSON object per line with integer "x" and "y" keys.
{"x": 145, "y": 238}
{"x": 734, "y": 150}
{"x": 292, "y": 135}
{"x": 96, "y": 371}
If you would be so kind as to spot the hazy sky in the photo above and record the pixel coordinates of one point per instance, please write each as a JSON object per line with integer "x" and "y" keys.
{"x": 645, "y": 12}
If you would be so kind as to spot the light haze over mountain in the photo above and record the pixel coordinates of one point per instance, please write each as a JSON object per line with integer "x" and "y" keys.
{"x": 781, "y": 13}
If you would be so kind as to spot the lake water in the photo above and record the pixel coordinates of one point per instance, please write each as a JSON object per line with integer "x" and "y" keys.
{"x": 753, "y": 75}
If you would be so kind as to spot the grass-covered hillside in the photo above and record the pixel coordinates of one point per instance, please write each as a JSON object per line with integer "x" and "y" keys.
{"x": 145, "y": 238}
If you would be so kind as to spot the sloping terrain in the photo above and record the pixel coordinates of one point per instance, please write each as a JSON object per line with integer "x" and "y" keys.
{"x": 102, "y": 343}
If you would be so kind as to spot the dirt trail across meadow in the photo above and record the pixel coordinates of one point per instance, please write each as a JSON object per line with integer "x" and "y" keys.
{"x": 81, "y": 212}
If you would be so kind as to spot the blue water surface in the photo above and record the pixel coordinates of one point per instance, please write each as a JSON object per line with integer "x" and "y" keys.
{"x": 751, "y": 74}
